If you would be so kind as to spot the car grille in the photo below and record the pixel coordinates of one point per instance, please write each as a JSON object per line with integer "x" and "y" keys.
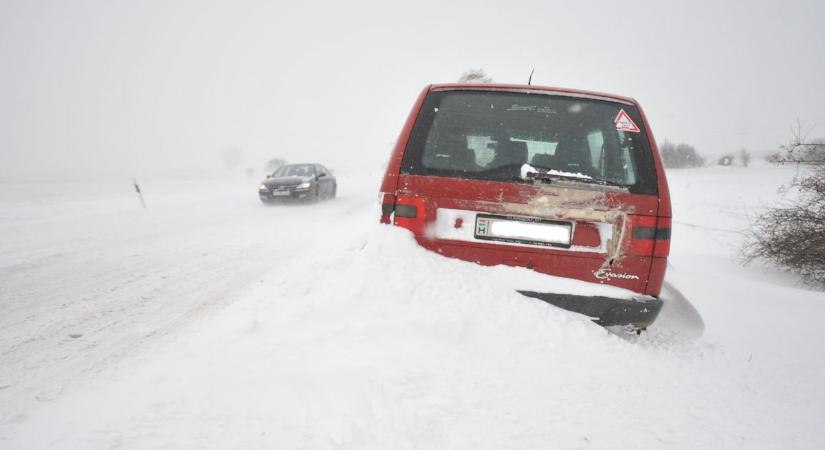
{"x": 282, "y": 187}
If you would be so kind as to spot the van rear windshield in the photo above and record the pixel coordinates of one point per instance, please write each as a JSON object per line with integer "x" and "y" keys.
{"x": 490, "y": 135}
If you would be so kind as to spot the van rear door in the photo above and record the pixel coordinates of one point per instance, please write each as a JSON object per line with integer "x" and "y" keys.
{"x": 563, "y": 184}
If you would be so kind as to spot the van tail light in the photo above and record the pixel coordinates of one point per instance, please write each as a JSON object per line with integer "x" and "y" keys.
{"x": 663, "y": 227}
{"x": 404, "y": 211}
{"x": 649, "y": 236}
{"x": 387, "y": 207}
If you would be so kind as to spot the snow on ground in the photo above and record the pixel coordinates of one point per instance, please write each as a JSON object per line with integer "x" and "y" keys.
{"x": 210, "y": 321}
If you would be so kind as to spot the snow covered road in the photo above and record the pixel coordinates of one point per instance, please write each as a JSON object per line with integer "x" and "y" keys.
{"x": 209, "y": 321}
{"x": 91, "y": 281}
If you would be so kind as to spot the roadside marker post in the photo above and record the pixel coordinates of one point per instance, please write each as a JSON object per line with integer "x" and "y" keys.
{"x": 140, "y": 194}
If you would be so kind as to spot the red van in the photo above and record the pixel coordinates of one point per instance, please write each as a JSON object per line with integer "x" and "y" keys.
{"x": 560, "y": 181}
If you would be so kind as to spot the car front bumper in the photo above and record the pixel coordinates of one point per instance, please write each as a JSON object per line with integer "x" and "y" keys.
{"x": 639, "y": 311}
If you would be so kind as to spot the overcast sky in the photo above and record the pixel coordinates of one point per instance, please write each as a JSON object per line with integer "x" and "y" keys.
{"x": 136, "y": 87}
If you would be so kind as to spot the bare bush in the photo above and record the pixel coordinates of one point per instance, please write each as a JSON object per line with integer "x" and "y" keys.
{"x": 793, "y": 236}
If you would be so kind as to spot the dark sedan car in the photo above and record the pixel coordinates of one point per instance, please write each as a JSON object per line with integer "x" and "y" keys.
{"x": 308, "y": 182}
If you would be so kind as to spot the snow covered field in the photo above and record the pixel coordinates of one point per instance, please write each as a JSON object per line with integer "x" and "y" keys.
{"x": 210, "y": 321}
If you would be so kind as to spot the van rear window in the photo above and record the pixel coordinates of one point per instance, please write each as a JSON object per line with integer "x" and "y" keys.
{"x": 489, "y": 135}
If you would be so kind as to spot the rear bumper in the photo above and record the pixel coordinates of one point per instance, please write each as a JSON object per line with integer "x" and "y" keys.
{"x": 640, "y": 311}
{"x": 635, "y": 270}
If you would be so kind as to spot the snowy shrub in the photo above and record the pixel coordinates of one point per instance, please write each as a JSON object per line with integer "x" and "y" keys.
{"x": 793, "y": 236}
{"x": 775, "y": 158}
{"x": 812, "y": 151}
{"x": 274, "y": 163}
{"x": 680, "y": 156}
{"x": 475, "y": 76}
{"x": 801, "y": 149}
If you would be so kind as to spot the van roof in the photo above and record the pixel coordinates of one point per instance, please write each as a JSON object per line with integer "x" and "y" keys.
{"x": 531, "y": 88}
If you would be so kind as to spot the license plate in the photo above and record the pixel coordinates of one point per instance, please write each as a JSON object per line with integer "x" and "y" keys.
{"x": 280, "y": 193}
{"x": 523, "y": 230}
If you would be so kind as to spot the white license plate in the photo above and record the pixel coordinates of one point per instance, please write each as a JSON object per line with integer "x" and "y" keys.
{"x": 523, "y": 230}
{"x": 280, "y": 193}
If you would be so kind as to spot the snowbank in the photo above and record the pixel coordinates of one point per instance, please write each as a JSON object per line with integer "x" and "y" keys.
{"x": 358, "y": 338}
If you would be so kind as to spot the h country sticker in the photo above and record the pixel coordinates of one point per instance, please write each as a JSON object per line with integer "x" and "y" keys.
{"x": 625, "y": 123}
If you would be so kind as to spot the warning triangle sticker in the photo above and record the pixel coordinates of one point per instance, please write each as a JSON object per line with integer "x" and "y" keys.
{"x": 625, "y": 123}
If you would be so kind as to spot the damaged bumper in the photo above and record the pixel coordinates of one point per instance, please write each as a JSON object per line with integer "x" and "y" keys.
{"x": 639, "y": 311}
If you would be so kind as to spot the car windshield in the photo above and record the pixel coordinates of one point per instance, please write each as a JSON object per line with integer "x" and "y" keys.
{"x": 295, "y": 170}
{"x": 491, "y": 135}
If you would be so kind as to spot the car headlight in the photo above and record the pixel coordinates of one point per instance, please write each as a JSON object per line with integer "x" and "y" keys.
{"x": 304, "y": 185}
{"x": 263, "y": 188}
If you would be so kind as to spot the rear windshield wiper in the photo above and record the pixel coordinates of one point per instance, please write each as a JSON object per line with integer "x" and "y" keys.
{"x": 530, "y": 173}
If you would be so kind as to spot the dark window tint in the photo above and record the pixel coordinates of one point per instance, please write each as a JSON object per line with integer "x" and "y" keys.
{"x": 490, "y": 135}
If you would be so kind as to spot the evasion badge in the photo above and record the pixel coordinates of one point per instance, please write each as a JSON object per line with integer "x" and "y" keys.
{"x": 625, "y": 123}
{"x": 606, "y": 274}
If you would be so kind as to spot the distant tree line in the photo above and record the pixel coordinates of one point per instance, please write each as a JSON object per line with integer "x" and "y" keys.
{"x": 680, "y": 156}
